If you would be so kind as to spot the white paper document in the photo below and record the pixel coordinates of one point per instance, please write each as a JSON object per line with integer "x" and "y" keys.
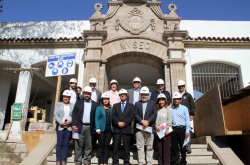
{"x": 162, "y": 131}
{"x": 186, "y": 141}
{"x": 147, "y": 129}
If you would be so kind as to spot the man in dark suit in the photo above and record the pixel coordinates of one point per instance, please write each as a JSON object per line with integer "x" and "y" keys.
{"x": 123, "y": 118}
{"x": 145, "y": 116}
{"x": 83, "y": 123}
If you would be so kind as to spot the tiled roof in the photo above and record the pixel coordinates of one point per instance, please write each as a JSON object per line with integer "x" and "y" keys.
{"x": 220, "y": 39}
{"x": 61, "y": 39}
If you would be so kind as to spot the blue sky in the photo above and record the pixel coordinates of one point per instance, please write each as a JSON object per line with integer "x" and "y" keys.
{"x": 49, "y": 10}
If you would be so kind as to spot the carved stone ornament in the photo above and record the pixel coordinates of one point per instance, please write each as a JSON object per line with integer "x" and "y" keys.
{"x": 136, "y": 24}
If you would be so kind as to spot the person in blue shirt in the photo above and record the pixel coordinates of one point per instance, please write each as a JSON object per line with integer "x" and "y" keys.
{"x": 103, "y": 126}
{"x": 181, "y": 129}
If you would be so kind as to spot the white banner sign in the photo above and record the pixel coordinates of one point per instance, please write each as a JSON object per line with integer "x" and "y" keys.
{"x": 59, "y": 65}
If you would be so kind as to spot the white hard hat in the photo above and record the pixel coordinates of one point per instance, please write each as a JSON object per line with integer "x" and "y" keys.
{"x": 159, "y": 81}
{"x": 92, "y": 80}
{"x": 67, "y": 93}
{"x": 176, "y": 95}
{"x": 180, "y": 83}
{"x": 73, "y": 80}
{"x": 137, "y": 79}
{"x": 87, "y": 89}
{"x": 105, "y": 95}
{"x": 113, "y": 82}
{"x": 144, "y": 90}
{"x": 123, "y": 91}
{"x": 161, "y": 95}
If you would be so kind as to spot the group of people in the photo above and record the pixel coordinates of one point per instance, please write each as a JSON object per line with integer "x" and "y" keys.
{"x": 159, "y": 122}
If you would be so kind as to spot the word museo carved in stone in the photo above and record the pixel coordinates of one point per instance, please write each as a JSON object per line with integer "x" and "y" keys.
{"x": 135, "y": 45}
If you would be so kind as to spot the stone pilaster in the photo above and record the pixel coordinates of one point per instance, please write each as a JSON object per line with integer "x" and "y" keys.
{"x": 22, "y": 96}
{"x": 176, "y": 55}
{"x": 167, "y": 76}
{"x": 94, "y": 66}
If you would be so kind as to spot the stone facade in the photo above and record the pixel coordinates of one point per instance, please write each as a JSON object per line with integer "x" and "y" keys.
{"x": 137, "y": 28}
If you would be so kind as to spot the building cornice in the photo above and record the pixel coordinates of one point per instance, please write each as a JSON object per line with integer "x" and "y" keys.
{"x": 217, "y": 42}
{"x": 17, "y": 43}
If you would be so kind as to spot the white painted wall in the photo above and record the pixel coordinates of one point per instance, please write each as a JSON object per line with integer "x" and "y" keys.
{"x": 204, "y": 28}
{"x": 240, "y": 57}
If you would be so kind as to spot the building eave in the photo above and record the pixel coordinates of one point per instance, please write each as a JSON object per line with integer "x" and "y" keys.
{"x": 217, "y": 42}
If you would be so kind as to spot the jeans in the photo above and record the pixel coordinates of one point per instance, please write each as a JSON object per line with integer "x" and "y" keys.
{"x": 63, "y": 138}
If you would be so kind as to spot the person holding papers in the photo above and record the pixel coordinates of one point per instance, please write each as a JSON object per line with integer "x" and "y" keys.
{"x": 162, "y": 126}
{"x": 63, "y": 117}
{"x": 181, "y": 129}
{"x": 145, "y": 116}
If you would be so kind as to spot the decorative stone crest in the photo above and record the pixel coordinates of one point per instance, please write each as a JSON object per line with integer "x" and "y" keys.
{"x": 136, "y": 23}
{"x": 135, "y": 19}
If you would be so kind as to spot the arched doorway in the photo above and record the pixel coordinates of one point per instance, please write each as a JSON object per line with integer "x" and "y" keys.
{"x": 125, "y": 66}
{"x": 206, "y": 75}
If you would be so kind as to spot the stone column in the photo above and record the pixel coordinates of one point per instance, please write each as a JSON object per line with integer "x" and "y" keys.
{"x": 94, "y": 66}
{"x": 22, "y": 96}
{"x": 176, "y": 55}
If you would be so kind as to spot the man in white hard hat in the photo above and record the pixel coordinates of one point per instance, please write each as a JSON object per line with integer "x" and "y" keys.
{"x": 123, "y": 117}
{"x": 63, "y": 117}
{"x": 96, "y": 94}
{"x": 72, "y": 89}
{"x": 113, "y": 93}
{"x": 181, "y": 129}
{"x": 83, "y": 122}
{"x": 134, "y": 93}
{"x": 161, "y": 89}
{"x": 145, "y": 116}
{"x": 188, "y": 101}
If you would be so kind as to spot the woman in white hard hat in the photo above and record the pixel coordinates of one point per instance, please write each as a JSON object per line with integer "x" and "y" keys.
{"x": 63, "y": 117}
{"x": 163, "y": 120}
{"x": 103, "y": 126}
{"x": 113, "y": 93}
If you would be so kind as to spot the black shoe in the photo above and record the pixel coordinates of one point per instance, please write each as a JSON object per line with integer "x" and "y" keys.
{"x": 188, "y": 150}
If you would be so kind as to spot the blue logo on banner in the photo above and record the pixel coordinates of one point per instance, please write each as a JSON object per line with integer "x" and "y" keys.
{"x": 55, "y": 71}
{"x": 70, "y": 63}
{"x": 51, "y": 65}
{"x": 65, "y": 70}
{"x": 60, "y": 64}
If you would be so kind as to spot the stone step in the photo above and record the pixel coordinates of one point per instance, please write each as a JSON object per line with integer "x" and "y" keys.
{"x": 12, "y": 157}
{"x": 13, "y": 148}
{"x": 198, "y": 146}
{"x": 94, "y": 159}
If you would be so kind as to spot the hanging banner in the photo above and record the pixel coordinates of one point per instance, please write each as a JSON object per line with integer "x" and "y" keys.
{"x": 59, "y": 65}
